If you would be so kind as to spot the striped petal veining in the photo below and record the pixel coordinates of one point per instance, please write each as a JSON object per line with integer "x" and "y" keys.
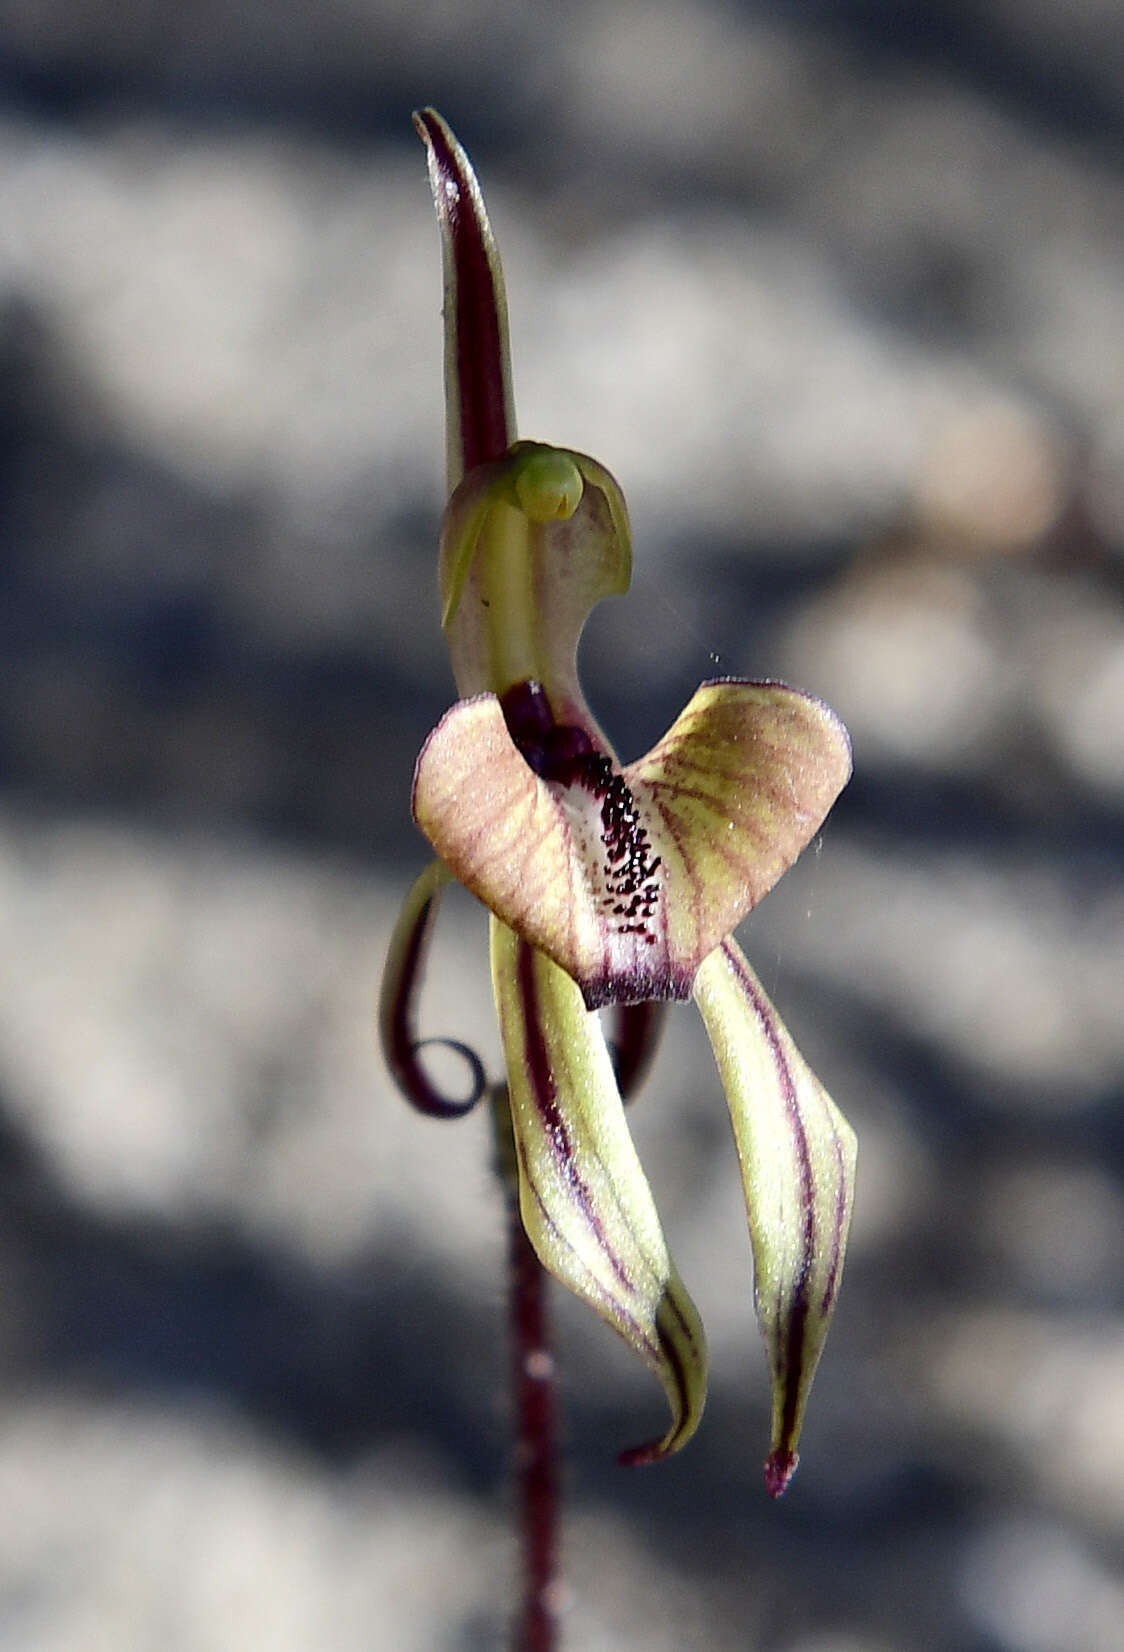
{"x": 585, "y": 1201}
{"x": 797, "y": 1157}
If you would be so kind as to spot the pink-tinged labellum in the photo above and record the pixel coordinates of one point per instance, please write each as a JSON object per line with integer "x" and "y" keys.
{"x": 585, "y": 1201}
{"x": 628, "y": 878}
{"x": 797, "y": 1156}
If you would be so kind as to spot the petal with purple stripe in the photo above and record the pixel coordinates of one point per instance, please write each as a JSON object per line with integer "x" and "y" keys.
{"x": 798, "y": 1165}
{"x": 585, "y": 1201}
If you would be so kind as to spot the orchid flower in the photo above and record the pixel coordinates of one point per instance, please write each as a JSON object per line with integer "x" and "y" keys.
{"x": 610, "y": 887}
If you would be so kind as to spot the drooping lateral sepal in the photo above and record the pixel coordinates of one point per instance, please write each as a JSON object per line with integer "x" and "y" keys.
{"x": 530, "y": 543}
{"x": 628, "y": 879}
{"x": 798, "y": 1166}
{"x": 585, "y": 1201}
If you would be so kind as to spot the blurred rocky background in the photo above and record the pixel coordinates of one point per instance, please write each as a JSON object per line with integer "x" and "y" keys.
{"x": 837, "y": 291}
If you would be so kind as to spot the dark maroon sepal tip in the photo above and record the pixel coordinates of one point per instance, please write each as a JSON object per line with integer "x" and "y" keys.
{"x": 780, "y": 1466}
{"x": 653, "y": 1451}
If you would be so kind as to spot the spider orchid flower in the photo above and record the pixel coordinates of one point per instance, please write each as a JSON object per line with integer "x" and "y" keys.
{"x": 610, "y": 887}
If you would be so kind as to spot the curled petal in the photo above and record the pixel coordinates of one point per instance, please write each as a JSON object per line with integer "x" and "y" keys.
{"x": 628, "y": 880}
{"x": 798, "y": 1165}
{"x": 585, "y": 1202}
{"x": 401, "y": 981}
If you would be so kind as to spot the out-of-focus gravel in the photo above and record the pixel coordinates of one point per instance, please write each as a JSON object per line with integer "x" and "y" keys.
{"x": 838, "y": 294}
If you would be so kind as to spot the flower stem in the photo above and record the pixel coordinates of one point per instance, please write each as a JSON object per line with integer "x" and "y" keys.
{"x": 534, "y": 1412}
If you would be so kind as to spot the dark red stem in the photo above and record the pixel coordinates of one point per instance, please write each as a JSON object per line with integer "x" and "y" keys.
{"x": 536, "y": 1467}
{"x": 633, "y": 1041}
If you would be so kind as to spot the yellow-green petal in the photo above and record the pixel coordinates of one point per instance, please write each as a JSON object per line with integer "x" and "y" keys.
{"x": 797, "y": 1156}
{"x": 585, "y": 1201}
